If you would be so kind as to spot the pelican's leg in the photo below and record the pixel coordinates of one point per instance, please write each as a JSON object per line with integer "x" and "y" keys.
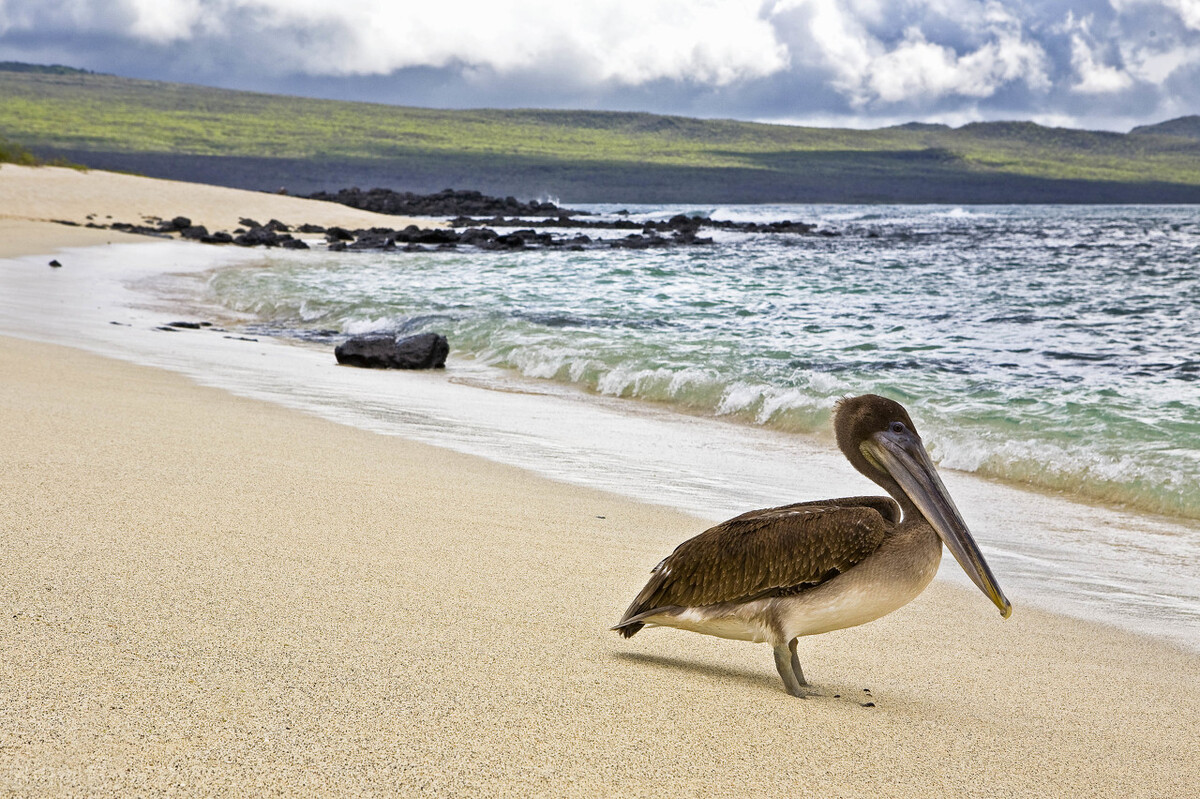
{"x": 783, "y": 664}
{"x": 799, "y": 672}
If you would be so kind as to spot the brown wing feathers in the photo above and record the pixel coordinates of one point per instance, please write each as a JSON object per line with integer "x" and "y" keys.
{"x": 784, "y": 550}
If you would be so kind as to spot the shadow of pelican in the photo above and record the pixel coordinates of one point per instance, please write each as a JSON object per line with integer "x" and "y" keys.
{"x": 695, "y": 667}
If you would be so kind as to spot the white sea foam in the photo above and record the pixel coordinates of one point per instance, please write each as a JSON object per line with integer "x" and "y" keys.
{"x": 778, "y": 401}
{"x": 739, "y": 397}
{"x": 361, "y": 327}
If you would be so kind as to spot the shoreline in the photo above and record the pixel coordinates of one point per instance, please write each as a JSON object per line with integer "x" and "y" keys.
{"x": 1082, "y": 559}
{"x": 221, "y": 592}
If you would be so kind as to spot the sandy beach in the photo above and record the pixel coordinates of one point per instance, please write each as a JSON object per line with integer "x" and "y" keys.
{"x": 32, "y": 199}
{"x": 208, "y": 594}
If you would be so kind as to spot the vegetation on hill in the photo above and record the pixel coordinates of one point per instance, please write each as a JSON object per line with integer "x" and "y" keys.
{"x": 1188, "y": 127}
{"x": 45, "y": 69}
{"x": 266, "y": 141}
{"x": 12, "y": 153}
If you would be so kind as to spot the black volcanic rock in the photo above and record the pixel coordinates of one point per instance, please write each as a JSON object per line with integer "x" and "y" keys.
{"x": 476, "y": 236}
{"x": 683, "y": 230}
{"x": 258, "y": 235}
{"x": 417, "y": 235}
{"x": 370, "y": 240}
{"x": 422, "y": 351}
{"x": 144, "y": 230}
{"x": 445, "y": 203}
{"x": 194, "y": 232}
{"x": 636, "y": 241}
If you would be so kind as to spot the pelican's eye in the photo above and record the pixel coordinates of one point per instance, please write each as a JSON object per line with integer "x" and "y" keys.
{"x": 897, "y": 427}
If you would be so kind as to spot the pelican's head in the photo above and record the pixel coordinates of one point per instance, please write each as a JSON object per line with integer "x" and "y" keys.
{"x": 878, "y": 437}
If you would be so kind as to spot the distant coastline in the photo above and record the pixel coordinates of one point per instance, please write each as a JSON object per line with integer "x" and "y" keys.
{"x": 268, "y": 142}
{"x": 633, "y": 184}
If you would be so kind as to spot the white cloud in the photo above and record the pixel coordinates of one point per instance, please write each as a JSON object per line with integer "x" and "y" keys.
{"x": 1153, "y": 66}
{"x": 992, "y": 50}
{"x": 1187, "y": 10}
{"x": 625, "y": 42}
{"x": 163, "y": 21}
{"x": 1093, "y": 75}
{"x": 840, "y": 41}
{"x": 917, "y": 68}
{"x": 1167, "y": 48}
{"x": 920, "y": 69}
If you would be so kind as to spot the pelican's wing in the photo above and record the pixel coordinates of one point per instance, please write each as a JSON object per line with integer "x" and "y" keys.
{"x": 774, "y": 550}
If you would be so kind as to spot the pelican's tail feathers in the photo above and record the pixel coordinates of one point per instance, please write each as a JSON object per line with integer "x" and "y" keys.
{"x": 628, "y": 629}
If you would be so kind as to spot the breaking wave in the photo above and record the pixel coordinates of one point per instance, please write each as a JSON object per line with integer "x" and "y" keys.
{"x": 1022, "y": 355}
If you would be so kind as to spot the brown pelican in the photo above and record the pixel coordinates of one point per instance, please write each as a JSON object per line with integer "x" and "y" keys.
{"x": 777, "y": 574}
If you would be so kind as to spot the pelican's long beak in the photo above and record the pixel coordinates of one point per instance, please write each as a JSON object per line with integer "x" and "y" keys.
{"x": 903, "y": 456}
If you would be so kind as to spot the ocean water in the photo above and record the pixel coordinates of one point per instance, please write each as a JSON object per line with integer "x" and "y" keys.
{"x": 1056, "y": 347}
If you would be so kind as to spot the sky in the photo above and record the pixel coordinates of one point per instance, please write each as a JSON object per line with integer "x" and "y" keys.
{"x": 1098, "y": 64}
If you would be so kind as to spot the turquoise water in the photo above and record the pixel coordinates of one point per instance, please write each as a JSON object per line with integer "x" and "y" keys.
{"x": 1047, "y": 345}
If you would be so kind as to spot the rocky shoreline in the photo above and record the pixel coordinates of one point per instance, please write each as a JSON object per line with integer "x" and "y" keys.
{"x": 526, "y": 226}
{"x": 448, "y": 202}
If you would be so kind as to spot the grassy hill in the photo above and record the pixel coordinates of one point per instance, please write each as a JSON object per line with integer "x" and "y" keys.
{"x": 16, "y": 154}
{"x": 1187, "y": 127}
{"x": 265, "y": 142}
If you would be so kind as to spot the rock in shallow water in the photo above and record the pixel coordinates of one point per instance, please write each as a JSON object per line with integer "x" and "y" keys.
{"x": 422, "y": 351}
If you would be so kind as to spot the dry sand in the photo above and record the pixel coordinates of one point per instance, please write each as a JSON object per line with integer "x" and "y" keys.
{"x": 47, "y": 194}
{"x": 205, "y": 594}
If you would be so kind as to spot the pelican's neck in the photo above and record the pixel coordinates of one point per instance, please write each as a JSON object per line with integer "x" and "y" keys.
{"x": 880, "y": 478}
{"x": 908, "y": 508}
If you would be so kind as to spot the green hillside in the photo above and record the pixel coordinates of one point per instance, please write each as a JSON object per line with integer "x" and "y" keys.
{"x": 267, "y": 141}
{"x": 16, "y": 154}
{"x": 1187, "y": 127}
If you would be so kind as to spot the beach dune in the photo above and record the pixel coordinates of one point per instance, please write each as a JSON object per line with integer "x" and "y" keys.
{"x": 207, "y": 594}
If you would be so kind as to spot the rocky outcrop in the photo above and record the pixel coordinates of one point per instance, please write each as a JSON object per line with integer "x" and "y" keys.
{"x": 526, "y": 233}
{"x": 267, "y": 236}
{"x": 422, "y": 351}
{"x": 676, "y": 224}
{"x": 445, "y": 203}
